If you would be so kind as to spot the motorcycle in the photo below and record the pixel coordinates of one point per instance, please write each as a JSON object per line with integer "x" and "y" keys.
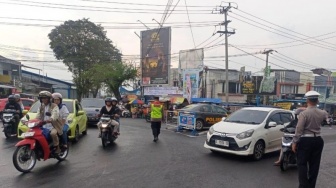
{"x": 126, "y": 113}
{"x": 148, "y": 117}
{"x": 288, "y": 157}
{"x": 107, "y": 135}
{"x": 35, "y": 146}
{"x": 9, "y": 122}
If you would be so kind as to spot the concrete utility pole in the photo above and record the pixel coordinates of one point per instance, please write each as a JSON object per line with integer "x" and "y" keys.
{"x": 224, "y": 10}
{"x": 266, "y": 73}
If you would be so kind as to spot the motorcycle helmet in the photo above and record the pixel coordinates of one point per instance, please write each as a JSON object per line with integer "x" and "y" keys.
{"x": 114, "y": 99}
{"x": 11, "y": 99}
{"x": 57, "y": 96}
{"x": 44, "y": 94}
{"x": 17, "y": 97}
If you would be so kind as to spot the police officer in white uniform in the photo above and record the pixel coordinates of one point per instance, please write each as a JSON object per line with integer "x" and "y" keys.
{"x": 307, "y": 142}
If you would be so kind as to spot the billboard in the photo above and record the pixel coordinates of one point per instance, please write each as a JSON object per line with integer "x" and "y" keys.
{"x": 253, "y": 85}
{"x": 160, "y": 90}
{"x": 191, "y": 82}
{"x": 155, "y": 56}
{"x": 191, "y": 59}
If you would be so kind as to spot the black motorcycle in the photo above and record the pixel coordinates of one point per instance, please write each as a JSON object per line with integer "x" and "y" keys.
{"x": 288, "y": 157}
{"x": 9, "y": 122}
{"x": 148, "y": 117}
{"x": 107, "y": 135}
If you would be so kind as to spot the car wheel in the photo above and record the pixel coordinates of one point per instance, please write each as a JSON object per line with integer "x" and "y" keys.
{"x": 86, "y": 127}
{"x": 76, "y": 139}
{"x": 199, "y": 124}
{"x": 259, "y": 150}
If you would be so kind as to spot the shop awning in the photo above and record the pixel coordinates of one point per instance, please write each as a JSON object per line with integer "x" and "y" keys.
{"x": 177, "y": 100}
{"x": 6, "y": 87}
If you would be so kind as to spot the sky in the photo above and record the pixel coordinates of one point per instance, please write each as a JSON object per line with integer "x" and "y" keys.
{"x": 302, "y": 32}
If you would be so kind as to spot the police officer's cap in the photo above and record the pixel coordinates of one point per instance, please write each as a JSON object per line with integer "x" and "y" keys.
{"x": 312, "y": 95}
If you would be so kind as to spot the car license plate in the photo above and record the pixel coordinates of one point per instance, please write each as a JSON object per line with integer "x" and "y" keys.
{"x": 222, "y": 143}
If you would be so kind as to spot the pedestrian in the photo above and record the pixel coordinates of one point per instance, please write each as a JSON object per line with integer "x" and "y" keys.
{"x": 307, "y": 142}
{"x": 156, "y": 118}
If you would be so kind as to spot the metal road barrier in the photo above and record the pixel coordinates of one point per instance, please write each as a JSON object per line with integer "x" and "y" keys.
{"x": 171, "y": 119}
{"x": 187, "y": 120}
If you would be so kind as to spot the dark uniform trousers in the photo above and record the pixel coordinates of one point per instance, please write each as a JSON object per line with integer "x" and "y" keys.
{"x": 156, "y": 126}
{"x": 309, "y": 151}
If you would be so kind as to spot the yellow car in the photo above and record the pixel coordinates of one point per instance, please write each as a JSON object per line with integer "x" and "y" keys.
{"x": 77, "y": 119}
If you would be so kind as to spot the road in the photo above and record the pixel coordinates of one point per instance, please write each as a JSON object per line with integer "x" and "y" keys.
{"x": 175, "y": 161}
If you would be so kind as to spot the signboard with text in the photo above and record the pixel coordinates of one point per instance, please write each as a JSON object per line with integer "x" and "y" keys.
{"x": 253, "y": 85}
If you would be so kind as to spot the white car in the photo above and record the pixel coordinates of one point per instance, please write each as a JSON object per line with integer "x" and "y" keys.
{"x": 249, "y": 131}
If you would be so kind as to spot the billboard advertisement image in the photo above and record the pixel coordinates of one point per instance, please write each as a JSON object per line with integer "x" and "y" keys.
{"x": 253, "y": 85}
{"x": 191, "y": 83}
{"x": 155, "y": 56}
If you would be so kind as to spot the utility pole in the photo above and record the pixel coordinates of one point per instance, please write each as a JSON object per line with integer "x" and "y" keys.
{"x": 224, "y": 10}
{"x": 266, "y": 72}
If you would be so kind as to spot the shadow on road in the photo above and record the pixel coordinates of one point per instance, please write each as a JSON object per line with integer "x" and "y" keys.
{"x": 246, "y": 159}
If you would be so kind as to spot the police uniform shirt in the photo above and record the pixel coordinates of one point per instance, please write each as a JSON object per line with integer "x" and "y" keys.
{"x": 309, "y": 122}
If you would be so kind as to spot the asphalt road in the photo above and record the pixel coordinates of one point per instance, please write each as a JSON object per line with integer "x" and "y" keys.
{"x": 175, "y": 161}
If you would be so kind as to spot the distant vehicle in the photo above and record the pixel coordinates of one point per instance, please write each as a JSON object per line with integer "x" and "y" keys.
{"x": 206, "y": 114}
{"x": 249, "y": 131}
{"x": 27, "y": 103}
{"x": 92, "y": 108}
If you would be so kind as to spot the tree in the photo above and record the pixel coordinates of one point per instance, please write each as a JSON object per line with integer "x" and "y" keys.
{"x": 114, "y": 75}
{"x": 82, "y": 44}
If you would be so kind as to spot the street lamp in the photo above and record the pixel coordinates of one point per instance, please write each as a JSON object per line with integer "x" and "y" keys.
{"x": 143, "y": 24}
{"x": 157, "y": 22}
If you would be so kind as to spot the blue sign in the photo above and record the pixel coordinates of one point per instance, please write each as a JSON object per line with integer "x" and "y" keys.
{"x": 124, "y": 91}
{"x": 186, "y": 120}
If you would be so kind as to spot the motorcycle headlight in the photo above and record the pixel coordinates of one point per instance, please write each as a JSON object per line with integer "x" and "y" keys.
{"x": 24, "y": 121}
{"x": 104, "y": 125}
{"x": 69, "y": 121}
{"x": 31, "y": 125}
{"x": 245, "y": 134}
{"x": 211, "y": 130}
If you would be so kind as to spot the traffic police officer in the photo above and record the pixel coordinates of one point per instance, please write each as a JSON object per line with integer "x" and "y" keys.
{"x": 307, "y": 141}
{"x": 156, "y": 118}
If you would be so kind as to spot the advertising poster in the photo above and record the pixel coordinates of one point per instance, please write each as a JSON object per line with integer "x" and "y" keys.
{"x": 253, "y": 85}
{"x": 191, "y": 83}
{"x": 191, "y": 59}
{"x": 186, "y": 120}
{"x": 155, "y": 56}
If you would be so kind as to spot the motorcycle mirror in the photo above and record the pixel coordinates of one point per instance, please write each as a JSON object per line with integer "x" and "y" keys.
{"x": 27, "y": 116}
{"x": 48, "y": 114}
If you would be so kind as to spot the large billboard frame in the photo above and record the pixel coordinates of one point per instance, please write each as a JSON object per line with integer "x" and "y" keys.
{"x": 142, "y": 56}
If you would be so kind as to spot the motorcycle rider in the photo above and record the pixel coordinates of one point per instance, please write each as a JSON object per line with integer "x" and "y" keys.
{"x": 292, "y": 124}
{"x": 13, "y": 105}
{"x": 53, "y": 122}
{"x": 63, "y": 113}
{"x": 18, "y": 100}
{"x": 111, "y": 109}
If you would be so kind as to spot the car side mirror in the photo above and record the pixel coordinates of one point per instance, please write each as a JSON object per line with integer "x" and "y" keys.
{"x": 27, "y": 116}
{"x": 272, "y": 124}
{"x": 80, "y": 113}
{"x": 48, "y": 114}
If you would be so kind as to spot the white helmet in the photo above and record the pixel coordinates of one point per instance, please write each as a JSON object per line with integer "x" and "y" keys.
{"x": 114, "y": 99}
{"x": 57, "y": 96}
{"x": 312, "y": 95}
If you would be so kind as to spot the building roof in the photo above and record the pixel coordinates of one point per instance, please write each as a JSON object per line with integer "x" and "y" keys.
{"x": 283, "y": 70}
{"x": 48, "y": 78}
{"x": 9, "y": 61}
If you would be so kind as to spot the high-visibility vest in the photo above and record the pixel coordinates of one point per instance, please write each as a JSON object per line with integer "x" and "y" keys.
{"x": 156, "y": 112}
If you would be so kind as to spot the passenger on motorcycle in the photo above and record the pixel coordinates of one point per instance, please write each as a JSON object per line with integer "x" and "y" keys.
{"x": 63, "y": 113}
{"x": 18, "y": 100}
{"x": 292, "y": 124}
{"x": 13, "y": 105}
{"x": 111, "y": 109}
{"x": 53, "y": 123}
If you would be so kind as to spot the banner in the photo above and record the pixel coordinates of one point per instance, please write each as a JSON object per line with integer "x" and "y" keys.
{"x": 124, "y": 91}
{"x": 191, "y": 83}
{"x": 191, "y": 59}
{"x": 186, "y": 120}
{"x": 253, "y": 85}
{"x": 155, "y": 56}
{"x": 160, "y": 90}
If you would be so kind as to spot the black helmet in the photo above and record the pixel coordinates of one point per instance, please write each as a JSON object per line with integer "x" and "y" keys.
{"x": 11, "y": 99}
{"x": 108, "y": 99}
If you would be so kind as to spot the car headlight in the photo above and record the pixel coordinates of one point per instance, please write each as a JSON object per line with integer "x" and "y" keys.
{"x": 245, "y": 134}
{"x": 211, "y": 130}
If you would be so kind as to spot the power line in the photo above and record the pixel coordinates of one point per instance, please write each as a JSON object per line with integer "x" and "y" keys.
{"x": 192, "y": 34}
{"x": 282, "y": 26}
{"x": 328, "y": 48}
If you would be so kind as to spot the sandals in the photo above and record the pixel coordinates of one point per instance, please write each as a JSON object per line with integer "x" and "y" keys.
{"x": 276, "y": 163}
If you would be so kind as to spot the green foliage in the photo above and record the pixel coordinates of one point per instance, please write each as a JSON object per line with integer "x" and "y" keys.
{"x": 82, "y": 44}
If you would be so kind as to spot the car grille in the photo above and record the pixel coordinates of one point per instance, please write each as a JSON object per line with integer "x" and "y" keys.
{"x": 232, "y": 143}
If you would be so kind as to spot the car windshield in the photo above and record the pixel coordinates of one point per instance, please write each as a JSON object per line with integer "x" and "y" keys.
{"x": 247, "y": 116}
{"x": 68, "y": 104}
{"x": 92, "y": 103}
